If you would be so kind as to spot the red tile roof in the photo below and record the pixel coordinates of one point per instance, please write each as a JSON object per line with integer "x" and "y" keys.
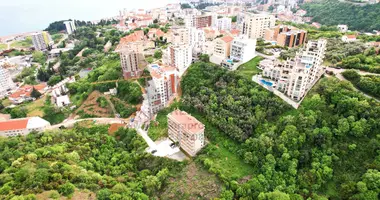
{"x": 235, "y": 31}
{"x": 351, "y": 36}
{"x": 13, "y": 124}
{"x": 227, "y": 38}
{"x": 187, "y": 121}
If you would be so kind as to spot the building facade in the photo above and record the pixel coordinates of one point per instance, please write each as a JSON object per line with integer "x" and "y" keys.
{"x": 39, "y": 42}
{"x": 6, "y": 82}
{"x": 162, "y": 88}
{"x": 221, "y": 49}
{"x": 243, "y": 49}
{"x": 224, "y": 24}
{"x": 187, "y": 131}
{"x": 23, "y": 126}
{"x": 286, "y": 36}
{"x": 70, "y": 27}
{"x": 254, "y": 25}
{"x": 178, "y": 56}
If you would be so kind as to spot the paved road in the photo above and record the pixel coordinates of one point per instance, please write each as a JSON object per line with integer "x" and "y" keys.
{"x": 70, "y": 122}
{"x": 65, "y": 36}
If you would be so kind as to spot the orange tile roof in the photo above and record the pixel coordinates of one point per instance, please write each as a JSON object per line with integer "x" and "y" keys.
{"x": 187, "y": 121}
{"x": 13, "y": 124}
{"x": 227, "y": 38}
{"x": 351, "y": 36}
{"x": 235, "y": 31}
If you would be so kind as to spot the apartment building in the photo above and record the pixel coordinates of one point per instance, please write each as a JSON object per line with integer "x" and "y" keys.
{"x": 6, "y": 83}
{"x": 243, "y": 49}
{"x": 187, "y": 131}
{"x": 178, "y": 56}
{"x": 23, "y": 126}
{"x": 286, "y": 36}
{"x": 224, "y": 24}
{"x": 162, "y": 88}
{"x": 254, "y": 25}
{"x": 202, "y": 21}
{"x": 39, "y": 42}
{"x": 131, "y": 50}
{"x": 222, "y": 49}
{"x": 296, "y": 76}
{"x": 70, "y": 27}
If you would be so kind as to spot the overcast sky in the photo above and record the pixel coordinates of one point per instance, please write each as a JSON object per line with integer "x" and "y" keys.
{"x": 18, "y": 16}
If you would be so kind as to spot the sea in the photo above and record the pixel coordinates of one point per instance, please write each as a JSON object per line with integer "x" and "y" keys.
{"x": 21, "y": 16}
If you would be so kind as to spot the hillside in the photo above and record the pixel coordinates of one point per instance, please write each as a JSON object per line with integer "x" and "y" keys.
{"x": 328, "y": 148}
{"x": 334, "y": 12}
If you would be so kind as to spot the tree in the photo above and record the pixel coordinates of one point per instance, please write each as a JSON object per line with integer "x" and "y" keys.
{"x": 35, "y": 93}
{"x": 204, "y": 58}
{"x": 67, "y": 189}
{"x": 157, "y": 54}
{"x": 39, "y": 56}
{"x": 54, "y": 80}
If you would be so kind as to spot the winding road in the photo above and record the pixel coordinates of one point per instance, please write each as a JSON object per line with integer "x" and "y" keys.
{"x": 338, "y": 74}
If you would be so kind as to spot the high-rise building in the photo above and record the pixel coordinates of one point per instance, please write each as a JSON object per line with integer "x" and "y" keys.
{"x": 131, "y": 50}
{"x": 296, "y": 76}
{"x": 189, "y": 36}
{"x": 6, "y": 82}
{"x": 178, "y": 56}
{"x": 187, "y": 131}
{"x": 286, "y": 36}
{"x": 254, "y": 25}
{"x": 70, "y": 27}
{"x": 224, "y": 24}
{"x": 162, "y": 88}
{"x": 39, "y": 41}
{"x": 202, "y": 21}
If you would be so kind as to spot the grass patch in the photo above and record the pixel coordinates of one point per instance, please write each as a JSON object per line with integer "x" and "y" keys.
{"x": 57, "y": 37}
{"x": 249, "y": 68}
{"x": 6, "y": 102}
{"x": 23, "y": 43}
{"x": 3, "y": 46}
{"x": 35, "y": 108}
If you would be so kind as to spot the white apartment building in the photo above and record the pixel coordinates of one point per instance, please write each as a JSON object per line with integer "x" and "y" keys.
{"x": 197, "y": 40}
{"x": 70, "y": 27}
{"x": 224, "y": 24}
{"x": 187, "y": 131}
{"x": 295, "y": 77}
{"x": 6, "y": 82}
{"x": 189, "y": 36}
{"x": 178, "y": 56}
{"x": 39, "y": 42}
{"x": 243, "y": 49}
{"x": 254, "y": 25}
{"x": 162, "y": 88}
{"x": 23, "y": 126}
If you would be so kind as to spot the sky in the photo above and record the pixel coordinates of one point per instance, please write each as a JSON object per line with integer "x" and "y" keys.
{"x": 19, "y": 16}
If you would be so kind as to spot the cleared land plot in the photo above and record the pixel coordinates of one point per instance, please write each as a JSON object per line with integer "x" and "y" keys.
{"x": 91, "y": 108}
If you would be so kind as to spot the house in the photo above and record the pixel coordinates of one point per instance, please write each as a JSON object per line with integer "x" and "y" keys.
{"x": 22, "y": 126}
{"x": 62, "y": 101}
{"x": 342, "y": 28}
{"x": 316, "y": 25}
{"x": 349, "y": 38}
{"x": 23, "y": 93}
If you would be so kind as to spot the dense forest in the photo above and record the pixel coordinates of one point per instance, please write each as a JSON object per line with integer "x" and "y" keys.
{"x": 328, "y": 148}
{"x": 79, "y": 159}
{"x": 334, "y": 12}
